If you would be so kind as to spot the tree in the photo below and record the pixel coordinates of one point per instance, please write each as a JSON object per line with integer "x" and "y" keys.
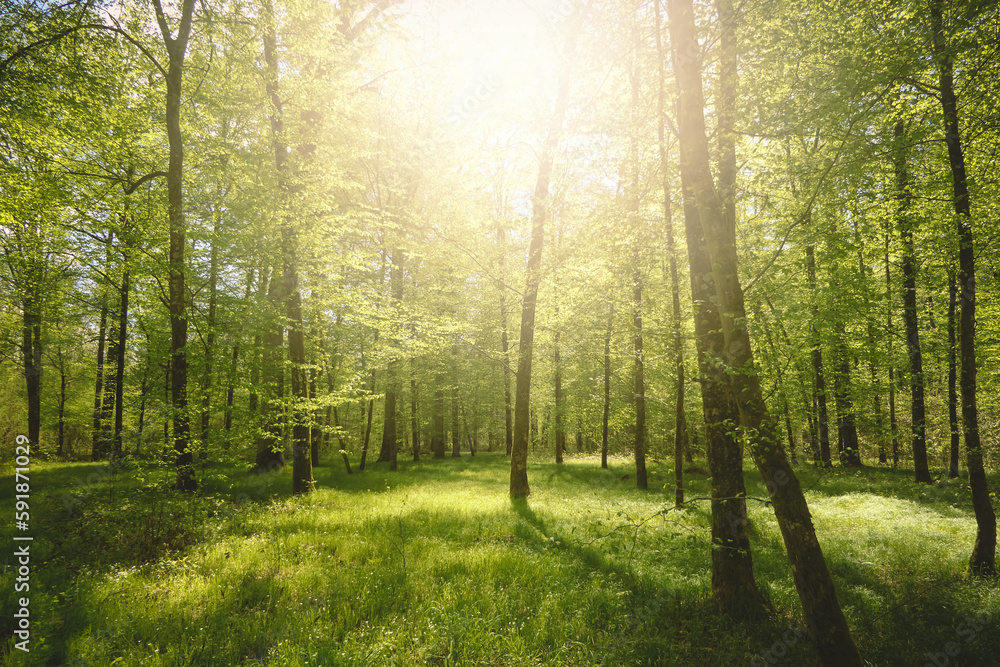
{"x": 519, "y": 487}
{"x": 824, "y": 617}
{"x": 983, "y": 559}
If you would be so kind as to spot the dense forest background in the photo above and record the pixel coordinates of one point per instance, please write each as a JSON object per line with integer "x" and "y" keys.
{"x": 318, "y": 215}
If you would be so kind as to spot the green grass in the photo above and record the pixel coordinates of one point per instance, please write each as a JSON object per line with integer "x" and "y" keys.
{"x": 434, "y": 565}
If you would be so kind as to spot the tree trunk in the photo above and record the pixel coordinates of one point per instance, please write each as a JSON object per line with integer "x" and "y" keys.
{"x": 893, "y": 426}
{"x": 437, "y": 436}
{"x": 953, "y": 425}
{"x": 368, "y": 424}
{"x": 213, "y": 280}
{"x": 819, "y": 386}
{"x": 505, "y": 348}
{"x": 560, "y": 433}
{"x": 641, "y": 481}
{"x": 110, "y": 398}
{"x": 824, "y": 617}
{"x": 270, "y": 448}
{"x": 414, "y": 415}
{"x": 456, "y": 435}
{"x": 607, "y": 390}
{"x": 680, "y": 423}
{"x": 519, "y": 487}
{"x": 847, "y": 429}
{"x": 733, "y": 583}
{"x": 61, "y": 424}
{"x": 917, "y": 408}
{"x": 118, "y": 445}
{"x": 982, "y": 562}
{"x": 176, "y": 48}
{"x": 95, "y": 447}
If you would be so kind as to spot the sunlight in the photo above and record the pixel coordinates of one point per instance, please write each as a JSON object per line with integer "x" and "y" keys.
{"x": 490, "y": 55}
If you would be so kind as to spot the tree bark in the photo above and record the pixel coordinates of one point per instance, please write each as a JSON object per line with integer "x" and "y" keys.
{"x": 847, "y": 429}
{"x": 560, "y": 432}
{"x": 95, "y": 446}
{"x": 414, "y": 415}
{"x": 982, "y": 561}
{"x": 176, "y": 48}
{"x": 213, "y": 282}
{"x": 607, "y": 389}
{"x": 917, "y": 407}
{"x": 824, "y": 617}
{"x": 819, "y": 378}
{"x": 438, "y": 433}
{"x": 519, "y": 487}
{"x": 953, "y": 424}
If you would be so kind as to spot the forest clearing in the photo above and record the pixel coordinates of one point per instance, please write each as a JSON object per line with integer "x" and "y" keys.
{"x": 500, "y": 332}
{"x": 433, "y": 565}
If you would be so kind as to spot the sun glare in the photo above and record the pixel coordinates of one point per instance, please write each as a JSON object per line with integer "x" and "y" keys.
{"x": 490, "y": 57}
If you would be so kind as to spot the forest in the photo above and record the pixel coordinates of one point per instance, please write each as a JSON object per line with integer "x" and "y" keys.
{"x": 500, "y": 332}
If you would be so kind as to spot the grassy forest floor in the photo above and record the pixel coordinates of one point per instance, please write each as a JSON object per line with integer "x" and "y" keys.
{"x": 433, "y": 565}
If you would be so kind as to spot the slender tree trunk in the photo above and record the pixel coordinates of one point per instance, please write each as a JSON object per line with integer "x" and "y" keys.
{"x": 368, "y": 424}
{"x": 890, "y": 337}
{"x": 850, "y": 452}
{"x": 414, "y": 415}
{"x": 176, "y": 48}
{"x": 394, "y": 387}
{"x": 953, "y": 424}
{"x": 505, "y": 348}
{"x": 110, "y": 398}
{"x": 213, "y": 281}
{"x": 32, "y": 342}
{"x": 560, "y": 432}
{"x": 118, "y": 445}
{"x": 906, "y": 224}
{"x": 95, "y": 447}
{"x": 607, "y": 389}
{"x": 227, "y": 426}
{"x": 982, "y": 562}
{"x": 519, "y": 487}
{"x": 61, "y": 424}
{"x": 640, "y": 383}
{"x": 680, "y": 423}
{"x": 437, "y": 437}
{"x": 819, "y": 386}
{"x": 824, "y": 617}
{"x": 456, "y": 435}
{"x": 258, "y": 344}
{"x": 633, "y": 202}
{"x": 270, "y": 447}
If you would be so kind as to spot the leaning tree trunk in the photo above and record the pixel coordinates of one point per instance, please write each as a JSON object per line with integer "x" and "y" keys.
{"x": 825, "y": 620}
{"x": 982, "y": 562}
